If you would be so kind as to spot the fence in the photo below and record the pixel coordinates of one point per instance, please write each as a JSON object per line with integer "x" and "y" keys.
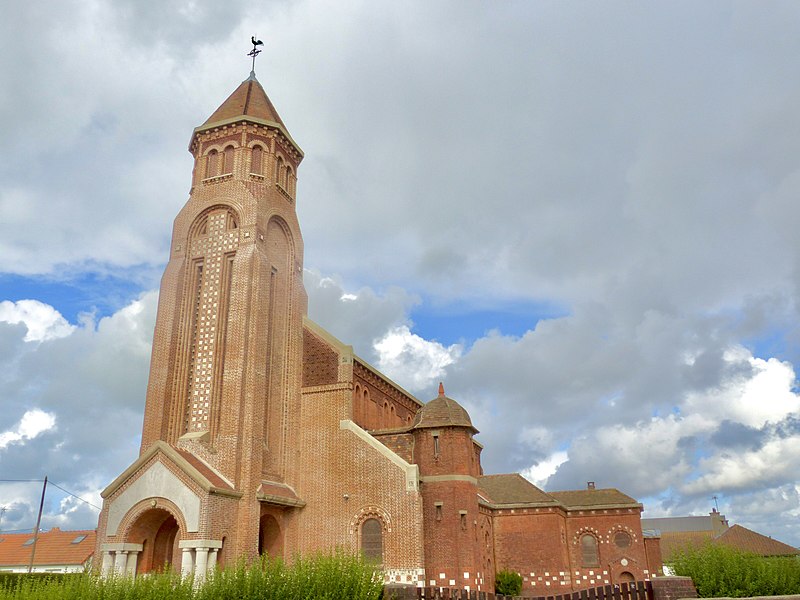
{"x": 637, "y": 590}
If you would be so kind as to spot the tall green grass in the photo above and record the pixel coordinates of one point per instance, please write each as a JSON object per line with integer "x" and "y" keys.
{"x": 323, "y": 577}
{"x": 720, "y": 571}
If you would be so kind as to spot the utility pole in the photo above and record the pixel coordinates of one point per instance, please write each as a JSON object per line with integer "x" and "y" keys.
{"x": 3, "y": 510}
{"x": 38, "y": 523}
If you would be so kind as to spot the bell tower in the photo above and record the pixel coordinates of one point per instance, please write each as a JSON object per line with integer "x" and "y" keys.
{"x": 228, "y": 337}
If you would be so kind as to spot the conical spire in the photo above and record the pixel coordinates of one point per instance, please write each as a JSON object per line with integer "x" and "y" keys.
{"x": 248, "y": 100}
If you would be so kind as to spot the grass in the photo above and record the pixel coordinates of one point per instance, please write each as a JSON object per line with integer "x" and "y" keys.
{"x": 720, "y": 571}
{"x": 322, "y": 577}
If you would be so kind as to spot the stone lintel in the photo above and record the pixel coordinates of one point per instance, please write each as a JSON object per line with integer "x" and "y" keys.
{"x": 121, "y": 547}
{"x": 211, "y": 544}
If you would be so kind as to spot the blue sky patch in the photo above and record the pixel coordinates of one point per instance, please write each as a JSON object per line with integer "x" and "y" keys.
{"x": 462, "y": 323}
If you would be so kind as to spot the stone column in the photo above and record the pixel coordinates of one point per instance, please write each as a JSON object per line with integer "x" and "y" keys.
{"x": 187, "y": 562}
{"x": 120, "y": 562}
{"x": 212, "y": 559}
{"x": 130, "y": 569}
{"x": 108, "y": 563}
{"x": 201, "y": 564}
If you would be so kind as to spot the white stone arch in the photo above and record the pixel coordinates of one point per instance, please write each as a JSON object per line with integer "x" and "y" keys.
{"x": 370, "y": 512}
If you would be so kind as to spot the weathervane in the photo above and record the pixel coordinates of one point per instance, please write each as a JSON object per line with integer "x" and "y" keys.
{"x": 255, "y": 51}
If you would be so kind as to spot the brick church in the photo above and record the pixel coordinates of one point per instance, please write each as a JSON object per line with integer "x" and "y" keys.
{"x": 264, "y": 434}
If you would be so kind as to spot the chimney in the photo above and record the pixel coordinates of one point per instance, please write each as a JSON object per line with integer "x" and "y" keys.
{"x": 590, "y": 485}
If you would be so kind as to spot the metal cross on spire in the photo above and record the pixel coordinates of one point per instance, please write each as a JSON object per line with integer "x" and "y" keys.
{"x": 254, "y": 52}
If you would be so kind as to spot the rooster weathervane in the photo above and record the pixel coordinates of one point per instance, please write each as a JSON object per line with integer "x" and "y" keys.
{"x": 255, "y": 51}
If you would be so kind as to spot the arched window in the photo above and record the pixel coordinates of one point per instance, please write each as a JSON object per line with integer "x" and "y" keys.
{"x": 589, "y": 555}
{"x": 279, "y": 170}
{"x": 289, "y": 180}
{"x": 372, "y": 540}
{"x": 227, "y": 165}
{"x": 212, "y": 164}
{"x": 622, "y": 539}
{"x": 256, "y": 159}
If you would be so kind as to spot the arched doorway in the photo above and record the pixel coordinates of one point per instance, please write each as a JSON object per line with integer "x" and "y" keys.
{"x": 158, "y": 532}
{"x": 270, "y": 537}
{"x": 626, "y": 577}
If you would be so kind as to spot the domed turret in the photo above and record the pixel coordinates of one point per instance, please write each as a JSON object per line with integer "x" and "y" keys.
{"x": 442, "y": 412}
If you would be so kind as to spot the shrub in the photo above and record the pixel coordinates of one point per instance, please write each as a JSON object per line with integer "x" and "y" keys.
{"x": 721, "y": 571}
{"x": 323, "y": 577}
{"x": 508, "y": 583}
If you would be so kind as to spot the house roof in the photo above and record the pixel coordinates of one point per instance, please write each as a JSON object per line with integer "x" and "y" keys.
{"x": 512, "y": 488}
{"x": 679, "y": 524}
{"x": 673, "y": 542}
{"x": 594, "y": 498}
{"x": 54, "y": 547}
{"x": 748, "y": 540}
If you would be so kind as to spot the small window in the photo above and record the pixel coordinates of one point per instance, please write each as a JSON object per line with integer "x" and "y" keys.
{"x": 28, "y": 542}
{"x": 211, "y": 164}
{"x": 227, "y": 166}
{"x": 256, "y": 160}
{"x": 279, "y": 171}
{"x": 372, "y": 540}
{"x": 589, "y": 556}
{"x": 438, "y": 506}
{"x": 78, "y": 539}
{"x": 436, "y": 446}
{"x": 622, "y": 539}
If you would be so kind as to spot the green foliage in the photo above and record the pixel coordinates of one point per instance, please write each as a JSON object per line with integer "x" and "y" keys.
{"x": 508, "y": 583}
{"x": 720, "y": 571}
{"x": 323, "y": 577}
{"x": 8, "y": 580}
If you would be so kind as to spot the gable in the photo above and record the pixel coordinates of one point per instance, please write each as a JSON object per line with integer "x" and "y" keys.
{"x": 156, "y": 481}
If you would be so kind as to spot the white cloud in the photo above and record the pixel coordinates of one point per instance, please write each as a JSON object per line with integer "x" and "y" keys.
{"x": 412, "y": 360}
{"x": 761, "y": 395}
{"x": 42, "y": 320}
{"x": 539, "y": 473}
{"x": 32, "y": 423}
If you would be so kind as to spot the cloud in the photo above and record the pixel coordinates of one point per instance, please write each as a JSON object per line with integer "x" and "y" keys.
{"x": 72, "y": 410}
{"x": 409, "y": 358}
{"x": 539, "y": 473}
{"x": 42, "y": 321}
{"x": 32, "y": 423}
{"x": 647, "y": 188}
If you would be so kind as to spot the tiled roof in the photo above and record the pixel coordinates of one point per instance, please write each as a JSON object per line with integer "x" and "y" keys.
{"x": 274, "y": 492}
{"x": 442, "y": 412}
{"x": 673, "y": 542}
{"x": 594, "y": 498}
{"x": 206, "y": 471}
{"x": 54, "y": 547}
{"x": 250, "y": 100}
{"x": 512, "y": 488}
{"x": 747, "y": 540}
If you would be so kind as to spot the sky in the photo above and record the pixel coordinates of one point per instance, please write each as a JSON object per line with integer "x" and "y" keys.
{"x": 581, "y": 217}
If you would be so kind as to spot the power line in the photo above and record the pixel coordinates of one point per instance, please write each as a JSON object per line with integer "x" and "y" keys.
{"x": 74, "y": 496}
{"x": 54, "y": 485}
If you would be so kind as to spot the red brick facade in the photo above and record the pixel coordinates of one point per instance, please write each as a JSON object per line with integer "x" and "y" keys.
{"x": 264, "y": 434}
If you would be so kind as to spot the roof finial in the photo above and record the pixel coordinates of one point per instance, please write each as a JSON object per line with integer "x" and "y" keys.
{"x": 254, "y": 52}
{"x": 441, "y": 390}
